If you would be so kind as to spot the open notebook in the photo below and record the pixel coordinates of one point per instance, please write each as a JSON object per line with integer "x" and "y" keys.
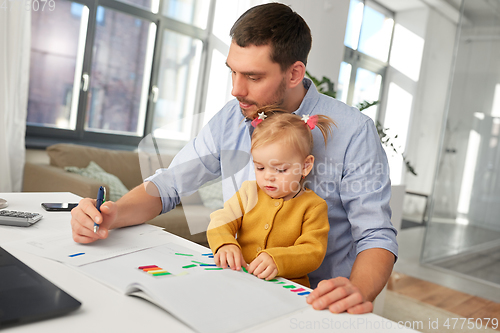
{"x": 187, "y": 284}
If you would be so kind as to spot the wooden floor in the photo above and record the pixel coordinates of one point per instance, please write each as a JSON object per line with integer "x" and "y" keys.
{"x": 465, "y": 305}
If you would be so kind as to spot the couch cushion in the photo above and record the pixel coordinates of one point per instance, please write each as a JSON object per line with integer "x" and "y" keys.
{"x": 94, "y": 171}
{"x": 123, "y": 164}
{"x": 211, "y": 194}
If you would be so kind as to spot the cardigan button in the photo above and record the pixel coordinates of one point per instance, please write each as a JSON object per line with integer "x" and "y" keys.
{"x": 266, "y": 226}
{"x": 277, "y": 203}
{"x": 259, "y": 249}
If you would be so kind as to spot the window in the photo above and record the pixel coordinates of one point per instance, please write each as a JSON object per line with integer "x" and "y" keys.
{"x": 56, "y": 65}
{"x": 188, "y": 11}
{"x": 112, "y": 71}
{"x": 178, "y": 75}
{"x": 120, "y": 72}
{"x": 367, "y": 40}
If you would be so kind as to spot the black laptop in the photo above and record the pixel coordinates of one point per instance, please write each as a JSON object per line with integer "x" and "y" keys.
{"x": 27, "y": 296}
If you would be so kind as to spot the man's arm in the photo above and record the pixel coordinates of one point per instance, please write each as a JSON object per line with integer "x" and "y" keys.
{"x": 197, "y": 163}
{"x": 137, "y": 206}
{"x": 140, "y": 205}
{"x": 370, "y": 272}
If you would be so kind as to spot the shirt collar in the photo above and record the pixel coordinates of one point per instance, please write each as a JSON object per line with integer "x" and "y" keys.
{"x": 310, "y": 99}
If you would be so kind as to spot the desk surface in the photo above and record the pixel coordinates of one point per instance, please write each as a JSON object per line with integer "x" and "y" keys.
{"x": 105, "y": 310}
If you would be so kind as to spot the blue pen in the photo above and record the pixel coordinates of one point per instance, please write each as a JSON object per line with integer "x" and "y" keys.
{"x": 101, "y": 197}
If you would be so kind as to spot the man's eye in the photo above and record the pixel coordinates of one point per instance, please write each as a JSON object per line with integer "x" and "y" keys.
{"x": 253, "y": 78}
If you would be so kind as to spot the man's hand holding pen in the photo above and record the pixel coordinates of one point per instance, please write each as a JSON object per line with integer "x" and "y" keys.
{"x": 86, "y": 214}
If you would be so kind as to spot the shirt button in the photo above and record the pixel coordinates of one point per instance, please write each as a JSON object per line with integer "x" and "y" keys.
{"x": 266, "y": 226}
{"x": 259, "y": 249}
{"x": 277, "y": 203}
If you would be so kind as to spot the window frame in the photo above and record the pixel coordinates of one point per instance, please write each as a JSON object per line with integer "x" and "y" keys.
{"x": 42, "y": 136}
{"x": 358, "y": 59}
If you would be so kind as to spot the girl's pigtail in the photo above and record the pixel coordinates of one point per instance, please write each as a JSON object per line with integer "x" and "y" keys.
{"x": 325, "y": 125}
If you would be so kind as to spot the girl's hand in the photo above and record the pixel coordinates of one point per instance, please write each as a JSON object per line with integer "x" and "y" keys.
{"x": 263, "y": 267}
{"x": 230, "y": 255}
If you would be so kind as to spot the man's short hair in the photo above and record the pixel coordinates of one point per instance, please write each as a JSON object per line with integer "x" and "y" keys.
{"x": 276, "y": 25}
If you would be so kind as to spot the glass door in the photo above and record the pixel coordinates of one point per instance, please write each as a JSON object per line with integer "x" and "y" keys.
{"x": 463, "y": 234}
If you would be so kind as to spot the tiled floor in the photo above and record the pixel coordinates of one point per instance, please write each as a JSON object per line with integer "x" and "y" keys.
{"x": 483, "y": 264}
{"x": 410, "y": 246}
{"x": 448, "y": 239}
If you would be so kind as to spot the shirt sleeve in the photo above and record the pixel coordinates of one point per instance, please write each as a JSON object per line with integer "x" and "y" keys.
{"x": 197, "y": 163}
{"x": 366, "y": 192}
{"x": 308, "y": 251}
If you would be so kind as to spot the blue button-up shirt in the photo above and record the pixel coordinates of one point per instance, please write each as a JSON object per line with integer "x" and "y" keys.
{"x": 351, "y": 173}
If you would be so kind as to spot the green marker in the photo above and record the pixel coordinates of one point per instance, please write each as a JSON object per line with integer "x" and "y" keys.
{"x": 188, "y": 266}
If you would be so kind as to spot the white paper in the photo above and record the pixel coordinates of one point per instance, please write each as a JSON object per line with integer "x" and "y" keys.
{"x": 61, "y": 247}
{"x": 207, "y": 300}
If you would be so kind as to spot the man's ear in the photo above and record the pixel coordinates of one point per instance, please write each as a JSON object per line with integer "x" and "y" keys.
{"x": 296, "y": 74}
{"x": 308, "y": 165}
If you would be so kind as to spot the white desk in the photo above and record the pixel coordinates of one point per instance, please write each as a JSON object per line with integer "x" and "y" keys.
{"x": 105, "y": 310}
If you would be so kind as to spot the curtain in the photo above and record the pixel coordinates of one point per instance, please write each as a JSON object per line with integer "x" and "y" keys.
{"x": 15, "y": 25}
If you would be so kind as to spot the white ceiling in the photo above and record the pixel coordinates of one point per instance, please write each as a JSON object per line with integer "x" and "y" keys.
{"x": 401, "y": 5}
{"x": 480, "y": 12}
{"x": 477, "y": 12}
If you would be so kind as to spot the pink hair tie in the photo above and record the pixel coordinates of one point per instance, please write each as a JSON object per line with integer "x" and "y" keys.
{"x": 259, "y": 119}
{"x": 310, "y": 121}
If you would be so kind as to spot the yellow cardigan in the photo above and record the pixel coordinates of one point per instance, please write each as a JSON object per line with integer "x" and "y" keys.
{"x": 293, "y": 232}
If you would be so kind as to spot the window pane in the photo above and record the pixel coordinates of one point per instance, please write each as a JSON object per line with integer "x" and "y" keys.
{"x": 151, "y": 5}
{"x": 177, "y": 82}
{"x": 188, "y": 11}
{"x": 121, "y": 71}
{"x": 344, "y": 79}
{"x": 376, "y": 33}
{"x": 219, "y": 86}
{"x": 367, "y": 88}
{"x": 406, "y": 52}
{"x": 57, "y": 43}
{"x": 354, "y": 19}
{"x": 227, "y": 12}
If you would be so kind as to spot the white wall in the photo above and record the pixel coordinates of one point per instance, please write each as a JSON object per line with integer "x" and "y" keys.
{"x": 430, "y": 102}
{"x": 327, "y": 20}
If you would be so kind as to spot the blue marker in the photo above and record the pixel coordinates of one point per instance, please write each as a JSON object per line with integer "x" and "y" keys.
{"x": 101, "y": 197}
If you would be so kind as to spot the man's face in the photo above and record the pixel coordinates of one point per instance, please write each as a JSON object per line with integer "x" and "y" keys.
{"x": 257, "y": 81}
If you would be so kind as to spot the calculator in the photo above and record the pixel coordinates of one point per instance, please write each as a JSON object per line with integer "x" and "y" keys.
{"x": 19, "y": 219}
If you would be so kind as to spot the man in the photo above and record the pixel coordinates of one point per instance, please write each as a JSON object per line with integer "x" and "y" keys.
{"x": 267, "y": 59}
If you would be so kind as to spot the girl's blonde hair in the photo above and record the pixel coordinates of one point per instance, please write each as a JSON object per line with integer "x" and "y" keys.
{"x": 288, "y": 128}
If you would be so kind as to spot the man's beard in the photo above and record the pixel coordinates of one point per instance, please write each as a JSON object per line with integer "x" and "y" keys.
{"x": 278, "y": 100}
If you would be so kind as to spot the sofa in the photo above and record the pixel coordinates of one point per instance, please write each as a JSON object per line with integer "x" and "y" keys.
{"x": 126, "y": 166}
